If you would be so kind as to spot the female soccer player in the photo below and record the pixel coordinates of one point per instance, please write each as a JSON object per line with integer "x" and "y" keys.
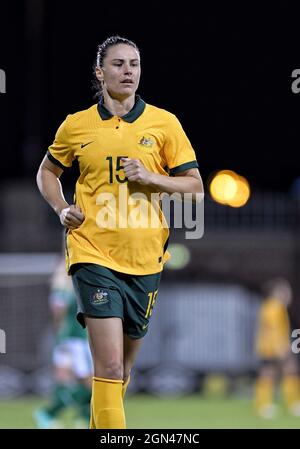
{"x": 273, "y": 347}
{"x": 116, "y": 243}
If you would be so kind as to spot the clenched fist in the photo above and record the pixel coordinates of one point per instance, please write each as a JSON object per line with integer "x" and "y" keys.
{"x": 135, "y": 171}
{"x": 71, "y": 217}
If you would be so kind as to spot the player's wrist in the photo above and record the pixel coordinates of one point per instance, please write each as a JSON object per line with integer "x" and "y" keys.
{"x": 152, "y": 179}
{"x": 60, "y": 207}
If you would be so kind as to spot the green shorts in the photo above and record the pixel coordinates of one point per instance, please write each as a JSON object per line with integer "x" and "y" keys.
{"x": 102, "y": 293}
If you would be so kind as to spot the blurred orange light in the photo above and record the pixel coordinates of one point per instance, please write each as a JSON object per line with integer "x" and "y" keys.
{"x": 228, "y": 188}
{"x": 242, "y": 195}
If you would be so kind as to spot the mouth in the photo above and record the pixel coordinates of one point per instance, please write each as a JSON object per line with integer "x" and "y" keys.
{"x": 127, "y": 81}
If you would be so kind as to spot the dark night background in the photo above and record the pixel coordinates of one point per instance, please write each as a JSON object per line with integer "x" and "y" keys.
{"x": 224, "y": 71}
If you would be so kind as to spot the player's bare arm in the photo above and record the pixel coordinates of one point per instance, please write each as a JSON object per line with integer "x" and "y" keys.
{"x": 50, "y": 187}
{"x": 187, "y": 181}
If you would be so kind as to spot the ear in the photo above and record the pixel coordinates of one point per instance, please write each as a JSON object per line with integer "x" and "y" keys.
{"x": 99, "y": 73}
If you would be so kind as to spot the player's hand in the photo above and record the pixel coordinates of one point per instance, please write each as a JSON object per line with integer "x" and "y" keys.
{"x": 71, "y": 217}
{"x": 135, "y": 171}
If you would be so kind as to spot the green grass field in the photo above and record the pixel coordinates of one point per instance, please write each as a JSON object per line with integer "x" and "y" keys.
{"x": 143, "y": 411}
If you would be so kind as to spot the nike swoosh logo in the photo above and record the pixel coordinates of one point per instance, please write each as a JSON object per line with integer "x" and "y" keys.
{"x": 85, "y": 144}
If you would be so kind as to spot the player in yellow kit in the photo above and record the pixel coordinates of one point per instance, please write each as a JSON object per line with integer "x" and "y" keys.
{"x": 273, "y": 347}
{"x": 129, "y": 152}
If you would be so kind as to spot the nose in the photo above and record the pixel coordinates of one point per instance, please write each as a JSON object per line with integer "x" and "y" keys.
{"x": 127, "y": 69}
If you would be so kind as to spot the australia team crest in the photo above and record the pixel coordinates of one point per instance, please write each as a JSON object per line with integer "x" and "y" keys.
{"x": 146, "y": 142}
{"x": 100, "y": 297}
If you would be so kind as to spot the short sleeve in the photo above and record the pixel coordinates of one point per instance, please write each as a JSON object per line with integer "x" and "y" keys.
{"x": 61, "y": 152}
{"x": 179, "y": 153}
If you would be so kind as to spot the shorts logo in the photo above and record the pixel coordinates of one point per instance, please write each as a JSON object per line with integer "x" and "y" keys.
{"x": 100, "y": 297}
{"x": 146, "y": 142}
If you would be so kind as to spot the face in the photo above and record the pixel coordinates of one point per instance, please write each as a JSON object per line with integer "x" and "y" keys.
{"x": 120, "y": 74}
{"x": 284, "y": 292}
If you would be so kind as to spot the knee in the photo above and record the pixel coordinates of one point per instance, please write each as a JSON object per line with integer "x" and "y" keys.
{"x": 115, "y": 370}
{"x": 109, "y": 370}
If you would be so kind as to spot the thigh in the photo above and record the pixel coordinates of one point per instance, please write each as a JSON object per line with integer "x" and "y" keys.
{"x": 141, "y": 293}
{"x": 98, "y": 292}
{"x": 269, "y": 368}
{"x": 106, "y": 343}
{"x": 290, "y": 365}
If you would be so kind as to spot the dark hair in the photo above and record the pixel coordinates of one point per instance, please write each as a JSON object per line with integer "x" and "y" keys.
{"x": 101, "y": 53}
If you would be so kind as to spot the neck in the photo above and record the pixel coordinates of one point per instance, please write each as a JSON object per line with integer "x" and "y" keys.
{"x": 117, "y": 106}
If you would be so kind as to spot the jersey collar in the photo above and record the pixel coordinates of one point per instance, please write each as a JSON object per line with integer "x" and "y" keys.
{"x": 130, "y": 117}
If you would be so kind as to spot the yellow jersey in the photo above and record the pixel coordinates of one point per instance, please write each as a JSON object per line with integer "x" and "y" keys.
{"x": 273, "y": 329}
{"x": 124, "y": 228}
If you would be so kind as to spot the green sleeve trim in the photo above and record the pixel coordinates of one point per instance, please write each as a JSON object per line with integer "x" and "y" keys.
{"x": 55, "y": 161}
{"x": 183, "y": 167}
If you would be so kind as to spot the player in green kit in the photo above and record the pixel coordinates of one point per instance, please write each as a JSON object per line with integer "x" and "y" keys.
{"x": 129, "y": 153}
{"x": 72, "y": 362}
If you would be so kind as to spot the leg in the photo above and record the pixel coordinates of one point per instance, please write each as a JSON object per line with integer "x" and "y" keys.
{"x": 264, "y": 390}
{"x": 140, "y": 294}
{"x": 106, "y": 342}
{"x": 61, "y": 395}
{"x": 291, "y": 384}
{"x": 131, "y": 349}
{"x": 82, "y": 366}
